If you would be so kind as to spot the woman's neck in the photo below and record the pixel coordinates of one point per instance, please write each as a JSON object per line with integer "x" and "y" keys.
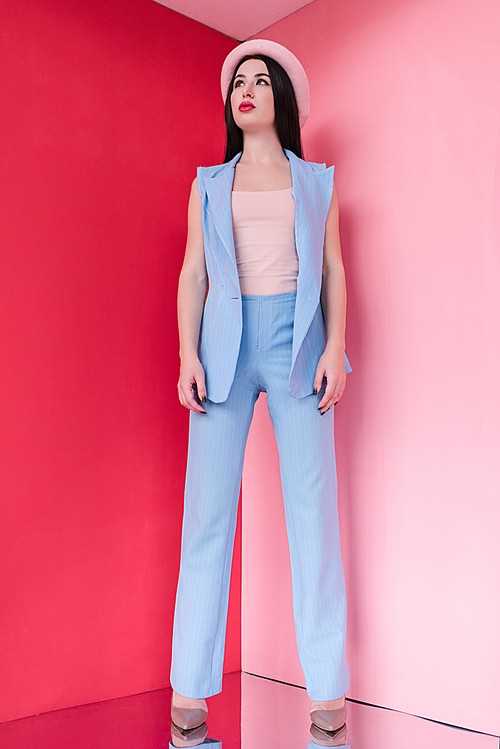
{"x": 263, "y": 164}
{"x": 262, "y": 148}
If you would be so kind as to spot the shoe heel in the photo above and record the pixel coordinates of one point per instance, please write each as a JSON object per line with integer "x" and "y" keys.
{"x": 329, "y": 738}
{"x": 186, "y": 737}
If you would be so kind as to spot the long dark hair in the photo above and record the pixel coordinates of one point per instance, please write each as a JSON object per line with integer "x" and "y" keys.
{"x": 286, "y": 111}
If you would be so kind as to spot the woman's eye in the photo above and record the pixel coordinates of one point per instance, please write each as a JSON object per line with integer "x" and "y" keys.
{"x": 237, "y": 83}
{"x": 262, "y": 80}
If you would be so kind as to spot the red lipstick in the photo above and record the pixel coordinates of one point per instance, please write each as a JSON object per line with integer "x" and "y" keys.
{"x": 245, "y": 106}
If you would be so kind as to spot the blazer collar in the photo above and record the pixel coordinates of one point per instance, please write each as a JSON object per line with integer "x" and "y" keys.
{"x": 218, "y": 189}
{"x": 226, "y": 174}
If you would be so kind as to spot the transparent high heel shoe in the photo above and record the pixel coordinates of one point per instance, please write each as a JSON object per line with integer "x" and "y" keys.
{"x": 329, "y": 727}
{"x": 189, "y": 727}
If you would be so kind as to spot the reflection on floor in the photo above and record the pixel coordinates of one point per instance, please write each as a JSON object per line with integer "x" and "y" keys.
{"x": 273, "y": 716}
{"x": 276, "y": 715}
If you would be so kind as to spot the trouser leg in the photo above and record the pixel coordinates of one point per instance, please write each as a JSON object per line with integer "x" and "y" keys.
{"x": 215, "y": 460}
{"x": 307, "y": 461}
{"x": 308, "y": 474}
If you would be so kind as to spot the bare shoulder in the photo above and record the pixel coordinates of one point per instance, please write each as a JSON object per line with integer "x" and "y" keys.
{"x": 194, "y": 186}
{"x": 333, "y": 210}
{"x": 194, "y": 197}
{"x": 194, "y": 214}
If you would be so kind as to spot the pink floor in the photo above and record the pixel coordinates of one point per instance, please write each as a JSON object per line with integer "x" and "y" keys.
{"x": 251, "y": 713}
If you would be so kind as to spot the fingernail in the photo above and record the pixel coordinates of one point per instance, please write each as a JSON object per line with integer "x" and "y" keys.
{"x": 204, "y": 399}
{"x": 315, "y": 391}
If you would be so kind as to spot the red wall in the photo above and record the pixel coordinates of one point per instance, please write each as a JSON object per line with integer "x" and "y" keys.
{"x": 104, "y": 118}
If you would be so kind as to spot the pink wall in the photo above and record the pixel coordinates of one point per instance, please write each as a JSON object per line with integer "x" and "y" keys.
{"x": 405, "y": 104}
{"x": 100, "y": 128}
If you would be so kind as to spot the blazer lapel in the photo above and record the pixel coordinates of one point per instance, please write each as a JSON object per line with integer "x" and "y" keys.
{"x": 218, "y": 190}
{"x": 308, "y": 284}
{"x": 301, "y": 187}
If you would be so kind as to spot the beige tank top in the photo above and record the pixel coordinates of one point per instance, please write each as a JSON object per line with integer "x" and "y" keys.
{"x": 264, "y": 241}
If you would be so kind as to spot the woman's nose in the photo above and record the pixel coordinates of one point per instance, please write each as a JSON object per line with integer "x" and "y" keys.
{"x": 246, "y": 90}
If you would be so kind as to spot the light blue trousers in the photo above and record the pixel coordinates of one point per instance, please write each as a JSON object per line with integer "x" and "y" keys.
{"x": 305, "y": 442}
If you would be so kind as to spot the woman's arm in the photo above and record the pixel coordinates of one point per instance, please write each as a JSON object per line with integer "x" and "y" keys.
{"x": 333, "y": 301}
{"x": 190, "y": 300}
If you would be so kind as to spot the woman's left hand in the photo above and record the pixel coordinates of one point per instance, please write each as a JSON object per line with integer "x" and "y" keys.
{"x": 332, "y": 368}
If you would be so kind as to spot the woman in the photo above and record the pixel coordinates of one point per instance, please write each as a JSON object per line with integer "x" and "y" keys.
{"x": 263, "y": 229}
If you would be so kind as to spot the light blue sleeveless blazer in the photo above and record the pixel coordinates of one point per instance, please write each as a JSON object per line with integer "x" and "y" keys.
{"x": 221, "y": 325}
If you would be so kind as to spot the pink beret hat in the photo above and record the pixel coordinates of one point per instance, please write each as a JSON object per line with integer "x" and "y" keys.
{"x": 281, "y": 54}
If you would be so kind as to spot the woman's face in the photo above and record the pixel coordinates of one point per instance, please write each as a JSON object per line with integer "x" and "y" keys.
{"x": 252, "y": 99}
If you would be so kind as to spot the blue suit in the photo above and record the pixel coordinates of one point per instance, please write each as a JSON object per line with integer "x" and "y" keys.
{"x": 252, "y": 344}
{"x": 222, "y": 318}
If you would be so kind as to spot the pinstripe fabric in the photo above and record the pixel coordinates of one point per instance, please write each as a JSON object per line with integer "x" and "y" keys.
{"x": 222, "y": 318}
{"x": 307, "y": 461}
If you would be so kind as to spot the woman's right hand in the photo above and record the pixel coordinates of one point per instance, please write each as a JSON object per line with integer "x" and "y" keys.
{"x": 191, "y": 385}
